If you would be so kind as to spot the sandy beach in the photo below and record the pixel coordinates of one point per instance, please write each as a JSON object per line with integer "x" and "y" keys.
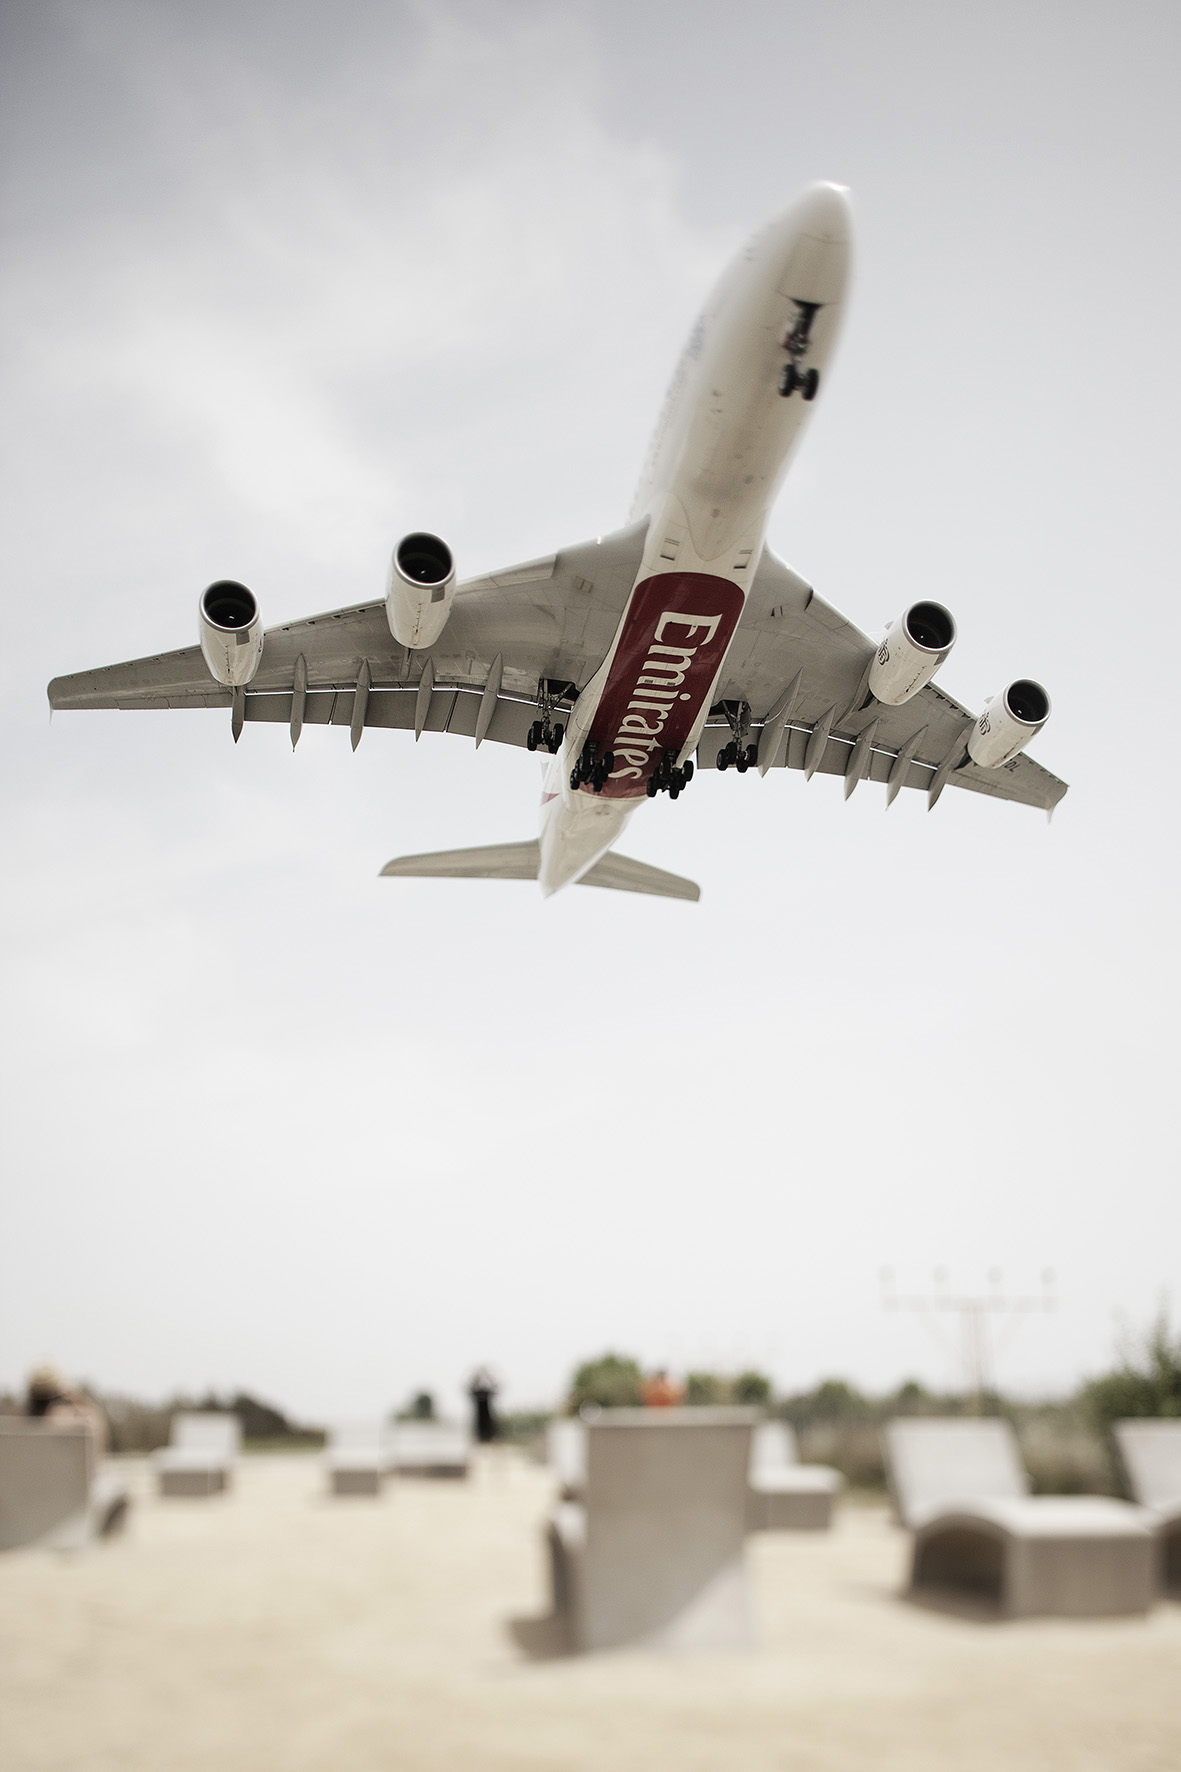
{"x": 277, "y": 1630}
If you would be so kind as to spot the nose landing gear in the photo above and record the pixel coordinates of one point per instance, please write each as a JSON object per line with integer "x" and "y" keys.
{"x": 796, "y": 344}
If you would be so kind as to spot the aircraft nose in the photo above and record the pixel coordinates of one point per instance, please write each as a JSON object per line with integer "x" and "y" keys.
{"x": 825, "y": 212}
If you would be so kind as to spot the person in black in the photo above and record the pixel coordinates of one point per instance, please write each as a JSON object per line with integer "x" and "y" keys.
{"x": 482, "y": 1391}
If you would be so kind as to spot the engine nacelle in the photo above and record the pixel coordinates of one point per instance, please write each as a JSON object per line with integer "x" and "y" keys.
{"x": 419, "y": 590}
{"x": 912, "y": 649}
{"x": 230, "y": 626}
{"x": 1008, "y": 722}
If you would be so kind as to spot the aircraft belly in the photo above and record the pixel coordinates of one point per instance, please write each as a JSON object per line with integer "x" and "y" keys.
{"x": 672, "y": 642}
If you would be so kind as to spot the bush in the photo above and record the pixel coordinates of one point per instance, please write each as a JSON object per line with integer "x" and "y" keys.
{"x": 704, "y": 1388}
{"x": 612, "y": 1381}
{"x": 421, "y": 1407}
{"x": 752, "y": 1389}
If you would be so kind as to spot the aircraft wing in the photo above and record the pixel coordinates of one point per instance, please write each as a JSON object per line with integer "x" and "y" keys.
{"x": 786, "y": 632}
{"x": 552, "y": 620}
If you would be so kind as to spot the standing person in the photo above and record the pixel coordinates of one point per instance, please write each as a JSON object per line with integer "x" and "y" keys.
{"x": 51, "y": 1397}
{"x": 482, "y": 1391}
{"x": 659, "y": 1391}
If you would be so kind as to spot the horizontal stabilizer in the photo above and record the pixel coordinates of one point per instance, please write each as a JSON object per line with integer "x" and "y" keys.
{"x": 521, "y": 861}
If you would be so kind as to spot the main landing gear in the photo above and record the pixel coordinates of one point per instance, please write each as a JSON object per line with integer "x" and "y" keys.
{"x": 543, "y": 735}
{"x": 742, "y": 757}
{"x": 740, "y": 753}
{"x": 796, "y": 344}
{"x": 666, "y": 778}
{"x": 591, "y": 769}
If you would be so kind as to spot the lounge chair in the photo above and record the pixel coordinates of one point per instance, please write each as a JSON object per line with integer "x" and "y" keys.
{"x": 201, "y": 1457}
{"x": 1151, "y": 1451}
{"x": 960, "y": 1488}
{"x": 654, "y": 1551}
{"x": 565, "y": 1453}
{"x": 53, "y": 1488}
{"x": 428, "y": 1449}
{"x": 356, "y": 1458}
{"x": 784, "y": 1495}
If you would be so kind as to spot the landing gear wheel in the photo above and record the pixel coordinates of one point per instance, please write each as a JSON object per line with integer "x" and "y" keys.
{"x": 723, "y": 759}
{"x": 652, "y": 790}
{"x": 532, "y": 736}
{"x": 555, "y": 743}
{"x": 811, "y": 383}
{"x": 789, "y": 381}
{"x": 575, "y": 779}
{"x": 742, "y": 765}
{"x": 674, "y": 788}
{"x": 752, "y": 755}
{"x": 687, "y": 771}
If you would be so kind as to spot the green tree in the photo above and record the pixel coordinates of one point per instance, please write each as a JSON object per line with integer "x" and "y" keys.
{"x": 753, "y": 1389}
{"x": 1146, "y": 1382}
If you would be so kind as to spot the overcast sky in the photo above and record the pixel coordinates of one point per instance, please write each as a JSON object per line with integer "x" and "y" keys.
{"x": 284, "y": 281}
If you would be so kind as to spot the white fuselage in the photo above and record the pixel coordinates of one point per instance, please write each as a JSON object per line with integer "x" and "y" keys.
{"x": 714, "y": 469}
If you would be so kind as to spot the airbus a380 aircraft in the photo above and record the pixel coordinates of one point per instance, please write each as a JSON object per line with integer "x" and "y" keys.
{"x": 678, "y": 642}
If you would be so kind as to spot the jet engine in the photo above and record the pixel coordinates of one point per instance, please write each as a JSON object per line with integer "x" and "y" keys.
{"x": 1008, "y": 722}
{"x": 230, "y": 627}
{"x": 419, "y": 590}
{"x": 912, "y": 649}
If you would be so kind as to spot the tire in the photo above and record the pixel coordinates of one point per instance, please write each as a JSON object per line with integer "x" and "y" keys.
{"x": 687, "y": 771}
{"x": 674, "y": 788}
{"x": 811, "y": 384}
{"x": 531, "y": 739}
{"x": 575, "y": 780}
{"x": 789, "y": 381}
{"x": 752, "y": 754}
{"x": 742, "y": 765}
{"x": 559, "y": 735}
{"x": 652, "y": 790}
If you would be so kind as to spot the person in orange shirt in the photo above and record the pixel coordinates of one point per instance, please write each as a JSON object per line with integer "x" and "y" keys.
{"x": 659, "y": 1391}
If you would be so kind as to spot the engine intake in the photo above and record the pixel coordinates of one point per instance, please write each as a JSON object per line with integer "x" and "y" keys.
{"x": 419, "y": 590}
{"x": 1008, "y": 722}
{"x": 912, "y": 649}
{"x": 230, "y": 627}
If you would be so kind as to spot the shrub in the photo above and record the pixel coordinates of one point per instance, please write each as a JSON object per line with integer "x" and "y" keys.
{"x": 612, "y": 1381}
{"x": 704, "y": 1388}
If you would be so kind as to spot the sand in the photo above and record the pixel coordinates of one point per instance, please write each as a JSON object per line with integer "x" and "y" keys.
{"x": 277, "y": 1630}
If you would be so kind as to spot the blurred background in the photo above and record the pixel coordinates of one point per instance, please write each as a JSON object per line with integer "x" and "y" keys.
{"x": 281, "y": 283}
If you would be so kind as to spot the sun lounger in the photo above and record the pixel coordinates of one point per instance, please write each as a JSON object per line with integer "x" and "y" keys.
{"x": 784, "y": 1495}
{"x": 200, "y": 1459}
{"x": 565, "y": 1453}
{"x": 53, "y": 1489}
{"x": 356, "y": 1458}
{"x": 1151, "y": 1451}
{"x": 960, "y": 1488}
{"x": 654, "y": 1551}
{"x": 429, "y": 1449}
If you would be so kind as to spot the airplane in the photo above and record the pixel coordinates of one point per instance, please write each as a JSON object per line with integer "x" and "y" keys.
{"x": 677, "y": 643}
